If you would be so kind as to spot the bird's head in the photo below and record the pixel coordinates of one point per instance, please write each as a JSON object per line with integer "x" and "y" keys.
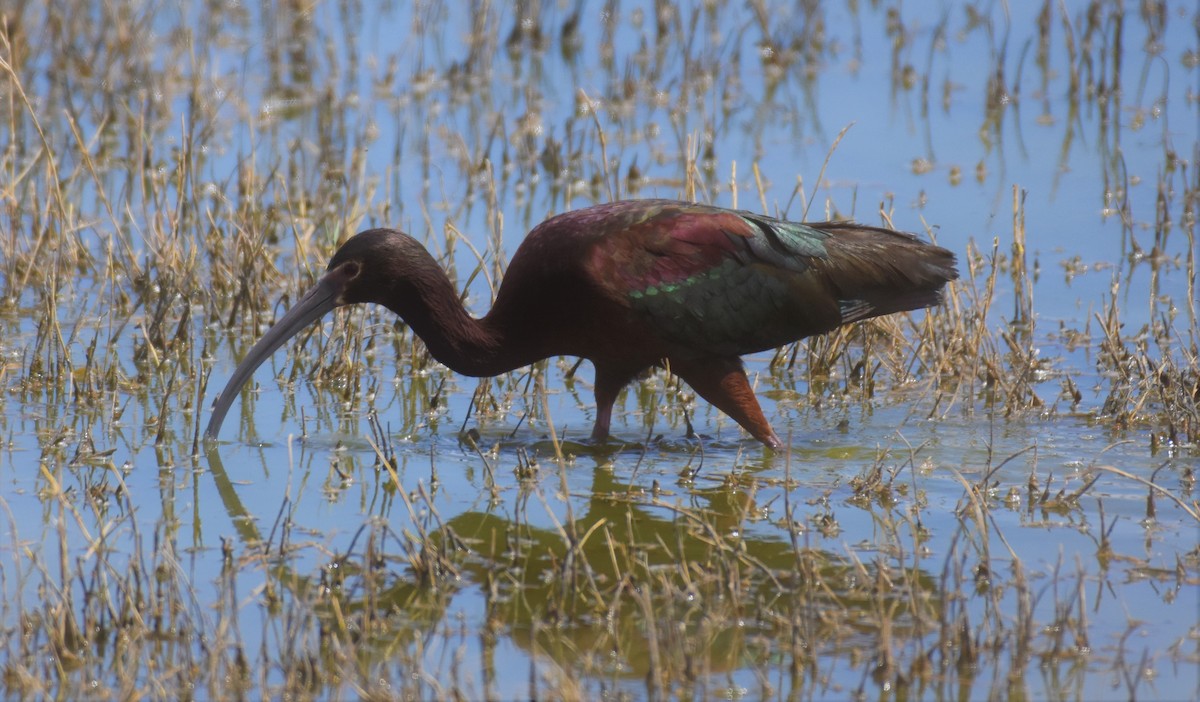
{"x": 371, "y": 265}
{"x": 361, "y": 270}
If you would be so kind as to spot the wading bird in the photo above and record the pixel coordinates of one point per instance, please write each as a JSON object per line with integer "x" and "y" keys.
{"x": 630, "y": 285}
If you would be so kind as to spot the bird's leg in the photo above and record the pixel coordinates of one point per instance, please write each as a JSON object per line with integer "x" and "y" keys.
{"x": 722, "y": 382}
{"x": 609, "y": 382}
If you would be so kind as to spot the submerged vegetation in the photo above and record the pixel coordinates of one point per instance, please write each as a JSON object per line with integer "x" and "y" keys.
{"x": 993, "y": 499}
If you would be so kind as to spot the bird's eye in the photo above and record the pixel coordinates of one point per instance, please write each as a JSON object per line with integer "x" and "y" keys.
{"x": 351, "y": 269}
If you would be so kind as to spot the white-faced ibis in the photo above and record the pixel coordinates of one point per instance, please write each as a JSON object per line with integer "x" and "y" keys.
{"x": 630, "y": 285}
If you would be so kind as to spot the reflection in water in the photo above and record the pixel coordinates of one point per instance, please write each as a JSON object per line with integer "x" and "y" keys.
{"x": 630, "y": 590}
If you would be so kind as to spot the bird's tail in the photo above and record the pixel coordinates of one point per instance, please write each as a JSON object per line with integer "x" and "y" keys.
{"x": 879, "y": 271}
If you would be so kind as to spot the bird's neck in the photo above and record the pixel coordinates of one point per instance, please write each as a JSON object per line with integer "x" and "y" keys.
{"x": 465, "y": 344}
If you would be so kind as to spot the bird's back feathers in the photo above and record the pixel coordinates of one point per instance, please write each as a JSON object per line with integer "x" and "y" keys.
{"x": 714, "y": 281}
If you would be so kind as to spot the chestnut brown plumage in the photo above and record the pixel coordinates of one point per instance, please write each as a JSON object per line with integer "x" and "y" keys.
{"x": 629, "y": 285}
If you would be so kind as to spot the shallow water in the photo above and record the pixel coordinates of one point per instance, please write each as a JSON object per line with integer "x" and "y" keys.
{"x": 290, "y": 558}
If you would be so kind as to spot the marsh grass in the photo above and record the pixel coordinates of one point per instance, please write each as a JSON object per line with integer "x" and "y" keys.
{"x": 159, "y": 212}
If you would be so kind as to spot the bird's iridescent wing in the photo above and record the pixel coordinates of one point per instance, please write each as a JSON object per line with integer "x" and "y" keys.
{"x": 716, "y": 281}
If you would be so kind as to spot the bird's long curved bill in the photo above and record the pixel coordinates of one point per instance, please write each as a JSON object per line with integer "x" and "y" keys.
{"x": 316, "y": 303}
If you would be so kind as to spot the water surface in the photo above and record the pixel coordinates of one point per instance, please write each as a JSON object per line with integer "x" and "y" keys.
{"x": 972, "y": 517}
